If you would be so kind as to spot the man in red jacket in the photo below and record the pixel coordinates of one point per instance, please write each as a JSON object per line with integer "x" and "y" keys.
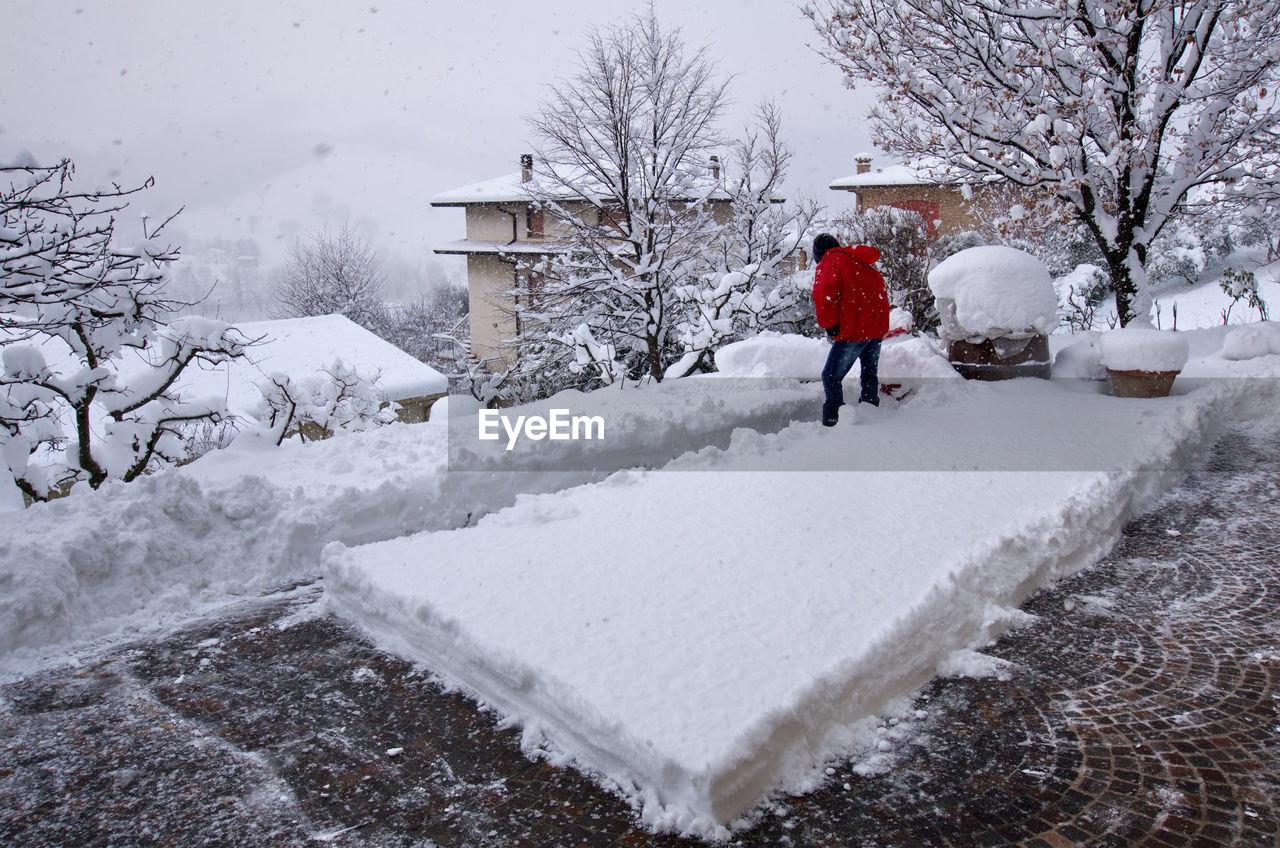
{"x": 852, "y": 305}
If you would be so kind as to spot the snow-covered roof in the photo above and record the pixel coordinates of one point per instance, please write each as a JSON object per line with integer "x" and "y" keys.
{"x": 513, "y": 189}
{"x": 298, "y": 347}
{"x": 506, "y": 189}
{"x": 303, "y": 347}
{"x": 924, "y": 172}
{"x": 465, "y": 246}
{"x": 889, "y": 175}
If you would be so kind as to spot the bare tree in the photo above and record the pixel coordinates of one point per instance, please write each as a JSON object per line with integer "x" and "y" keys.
{"x": 91, "y": 362}
{"x": 630, "y": 135}
{"x": 1120, "y": 108}
{"x": 337, "y": 273}
{"x": 746, "y": 286}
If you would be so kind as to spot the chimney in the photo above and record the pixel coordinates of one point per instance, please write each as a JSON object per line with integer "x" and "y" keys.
{"x": 864, "y": 163}
{"x": 715, "y": 168}
{"x": 526, "y": 167}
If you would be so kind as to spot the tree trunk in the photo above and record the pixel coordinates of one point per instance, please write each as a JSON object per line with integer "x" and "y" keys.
{"x": 655, "y": 358}
{"x": 1122, "y": 285}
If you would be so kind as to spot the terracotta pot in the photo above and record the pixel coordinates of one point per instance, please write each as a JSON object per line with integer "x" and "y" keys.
{"x": 1141, "y": 384}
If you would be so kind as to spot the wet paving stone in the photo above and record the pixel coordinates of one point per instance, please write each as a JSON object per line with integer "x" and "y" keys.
{"x": 1140, "y": 710}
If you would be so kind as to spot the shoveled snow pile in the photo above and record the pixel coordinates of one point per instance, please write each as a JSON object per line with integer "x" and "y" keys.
{"x": 1252, "y": 341}
{"x": 1142, "y": 349}
{"x": 1081, "y": 359}
{"x": 252, "y": 516}
{"x": 783, "y": 355}
{"x": 701, "y": 636}
{"x": 992, "y": 291}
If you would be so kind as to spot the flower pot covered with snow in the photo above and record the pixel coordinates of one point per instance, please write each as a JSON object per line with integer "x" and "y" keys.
{"x": 997, "y": 307}
{"x": 1141, "y": 362}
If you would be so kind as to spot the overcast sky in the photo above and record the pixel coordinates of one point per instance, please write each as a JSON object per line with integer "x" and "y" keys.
{"x": 269, "y": 118}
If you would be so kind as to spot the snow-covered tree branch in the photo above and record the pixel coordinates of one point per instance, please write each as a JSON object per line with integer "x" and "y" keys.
{"x": 337, "y": 273}
{"x": 747, "y": 285}
{"x": 1119, "y": 108}
{"x": 318, "y": 407}
{"x": 630, "y": 135}
{"x": 90, "y": 365}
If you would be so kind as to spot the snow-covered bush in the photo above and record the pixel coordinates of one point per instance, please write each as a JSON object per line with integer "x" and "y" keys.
{"x": 1258, "y": 225}
{"x": 1187, "y": 248}
{"x": 1252, "y": 341}
{"x": 1241, "y": 286}
{"x": 90, "y": 353}
{"x": 343, "y": 400}
{"x": 1080, "y": 294}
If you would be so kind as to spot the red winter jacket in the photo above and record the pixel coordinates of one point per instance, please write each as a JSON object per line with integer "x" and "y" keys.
{"x": 849, "y": 292}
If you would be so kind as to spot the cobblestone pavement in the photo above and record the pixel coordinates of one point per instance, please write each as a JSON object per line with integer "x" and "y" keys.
{"x": 1140, "y": 709}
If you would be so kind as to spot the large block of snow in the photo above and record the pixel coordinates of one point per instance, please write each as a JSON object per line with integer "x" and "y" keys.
{"x": 700, "y": 638}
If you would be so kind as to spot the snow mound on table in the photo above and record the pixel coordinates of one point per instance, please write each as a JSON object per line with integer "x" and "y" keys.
{"x": 1142, "y": 349}
{"x": 701, "y": 638}
{"x": 1252, "y": 341}
{"x": 994, "y": 291}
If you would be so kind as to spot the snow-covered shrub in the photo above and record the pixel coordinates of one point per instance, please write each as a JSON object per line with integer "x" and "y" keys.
{"x": 343, "y": 400}
{"x": 1258, "y": 225}
{"x": 423, "y": 327}
{"x": 1081, "y": 360}
{"x": 905, "y": 257}
{"x": 1241, "y": 286}
{"x": 1252, "y": 341}
{"x": 592, "y": 357}
{"x": 91, "y": 352}
{"x": 208, "y": 436}
{"x": 1080, "y": 294}
{"x": 1187, "y": 248}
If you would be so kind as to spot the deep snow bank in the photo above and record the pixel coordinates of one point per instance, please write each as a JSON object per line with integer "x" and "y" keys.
{"x": 251, "y": 517}
{"x": 700, "y": 638}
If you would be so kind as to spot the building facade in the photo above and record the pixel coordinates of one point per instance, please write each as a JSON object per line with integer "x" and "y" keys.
{"x": 945, "y": 207}
{"x": 505, "y": 233}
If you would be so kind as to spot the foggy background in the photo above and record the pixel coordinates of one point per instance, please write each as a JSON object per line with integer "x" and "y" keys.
{"x": 268, "y": 120}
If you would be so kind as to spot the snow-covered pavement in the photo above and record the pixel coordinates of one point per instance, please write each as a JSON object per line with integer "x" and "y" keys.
{"x": 1137, "y": 706}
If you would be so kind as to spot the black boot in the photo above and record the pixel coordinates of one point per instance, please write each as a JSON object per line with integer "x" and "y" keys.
{"x": 830, "y": 414}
